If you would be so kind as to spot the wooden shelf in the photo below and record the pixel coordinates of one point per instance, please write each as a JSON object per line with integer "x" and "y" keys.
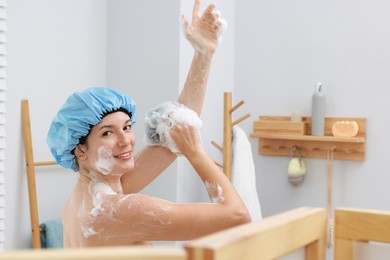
{"x": 345, "y": 148}
{"x": 310, "y": 138}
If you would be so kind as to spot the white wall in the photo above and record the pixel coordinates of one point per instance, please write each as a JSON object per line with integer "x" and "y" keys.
{"x": 55, "y": 48}
{"x": 143, "y": 61}
{"x": 286, "y": 48}
{"x": 282, "y": 49}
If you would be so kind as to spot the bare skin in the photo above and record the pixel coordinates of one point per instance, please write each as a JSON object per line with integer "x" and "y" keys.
{"x": 99, "y": 213}
{"x": 203, "y": 34}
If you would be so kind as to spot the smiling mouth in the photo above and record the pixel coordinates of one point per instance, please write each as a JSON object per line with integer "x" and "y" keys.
{"x": 124, "y": 155}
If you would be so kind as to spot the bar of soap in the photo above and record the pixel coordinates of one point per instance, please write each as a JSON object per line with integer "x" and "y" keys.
{"x": 345, "y": 129}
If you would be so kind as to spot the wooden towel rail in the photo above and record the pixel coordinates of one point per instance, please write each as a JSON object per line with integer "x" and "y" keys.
{"x": 102, "y": 253}
{"x": 30, "y": 167}
{"x": 228, "y": 123}
{"x": 284, "y": 233}
{"x": 352, "y": 225}
{"x": 268, "y": 239}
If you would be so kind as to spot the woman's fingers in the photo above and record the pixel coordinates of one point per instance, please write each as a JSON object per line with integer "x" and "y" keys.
{"x": 208, "y": 12}
{"x": 186, "y": 138}
{"x": 195, "y": 11}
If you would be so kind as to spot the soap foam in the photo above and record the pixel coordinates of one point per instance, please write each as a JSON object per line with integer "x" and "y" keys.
{"x": 125, "y": 216}
{"x": 105, "y": 162}
{"x": 188, "y": 30}
{"x": 160, "y": 120}
{"x": 215, "y": 192}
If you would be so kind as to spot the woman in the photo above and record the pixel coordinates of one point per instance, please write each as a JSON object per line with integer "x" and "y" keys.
{"x": 92, "y": 134}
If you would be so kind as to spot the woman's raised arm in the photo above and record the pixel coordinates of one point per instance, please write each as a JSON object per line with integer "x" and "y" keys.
{"x": 203, "y": 33}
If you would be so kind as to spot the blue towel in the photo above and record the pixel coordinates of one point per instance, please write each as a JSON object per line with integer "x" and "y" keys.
{"x": 51, "y": 236}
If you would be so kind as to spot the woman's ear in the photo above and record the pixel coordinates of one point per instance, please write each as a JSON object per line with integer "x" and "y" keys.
{"x": 80, "y": 152}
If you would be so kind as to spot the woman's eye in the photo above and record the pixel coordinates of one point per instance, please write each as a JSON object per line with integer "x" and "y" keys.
{"x": 127, "y": 127}
{"x": 106, "y": 133}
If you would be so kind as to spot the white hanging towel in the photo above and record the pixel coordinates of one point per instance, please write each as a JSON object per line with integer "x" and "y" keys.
{"x": 243, "y": 173}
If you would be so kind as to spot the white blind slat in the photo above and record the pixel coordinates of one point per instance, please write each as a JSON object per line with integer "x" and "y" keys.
{"x": 3, "y": 73}
{"x": 3, "y": 3}
{"x": 3, "y": 13}
{"x": 3, "y": 84}
{"x": 2, "y": 213}
{"x": 3, "y": 37}
{"x": 3, "y": 25}
{"x": 2, "y": 119}
{"x": 3, "y": 61}
{"x": 3, "y": 49}
{"x": 2, "y": 133}
{"x": 3, "y": 96}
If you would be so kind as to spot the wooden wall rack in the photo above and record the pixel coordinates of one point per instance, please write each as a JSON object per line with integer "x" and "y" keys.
{"x": 344, "y": 148}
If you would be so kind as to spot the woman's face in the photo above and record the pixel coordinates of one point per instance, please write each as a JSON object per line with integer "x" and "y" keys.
{"x": 110, "y": 145}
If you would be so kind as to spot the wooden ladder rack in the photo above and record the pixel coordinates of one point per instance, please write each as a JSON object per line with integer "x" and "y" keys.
{"x": 30, "y": 167}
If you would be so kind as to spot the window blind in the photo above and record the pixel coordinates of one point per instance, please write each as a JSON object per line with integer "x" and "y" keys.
{"x": 3, "y": 99}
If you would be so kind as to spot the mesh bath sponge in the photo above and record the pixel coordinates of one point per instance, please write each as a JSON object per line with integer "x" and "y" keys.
{"x": 162, "y": 118}
{"x": 81, "y": 111}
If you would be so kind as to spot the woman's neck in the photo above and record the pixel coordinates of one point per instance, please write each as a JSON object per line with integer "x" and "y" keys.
{"x": 114, "y": 181}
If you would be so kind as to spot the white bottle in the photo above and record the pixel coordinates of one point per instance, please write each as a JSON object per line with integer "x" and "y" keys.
{"x": 318, "y": 112}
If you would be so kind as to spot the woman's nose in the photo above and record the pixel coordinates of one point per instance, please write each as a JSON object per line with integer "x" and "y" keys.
{"x": 124, "y": 139}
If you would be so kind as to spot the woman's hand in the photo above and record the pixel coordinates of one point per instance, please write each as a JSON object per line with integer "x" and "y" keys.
{"x": 187, "y": 139}
{"x": 204, "y": 31}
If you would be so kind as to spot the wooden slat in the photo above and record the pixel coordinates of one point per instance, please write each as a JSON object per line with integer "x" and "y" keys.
{"x": 32, "y": 193}
{"x": 227, "y": 135}
{"x": 343, "y": 249}
{"x": 363, "y": 225}
{"x": 46, "y": 163}
{"x": 359, "y": 225}
{"x": 309, "y": 138}
{"x": 30, "y": 168}
{"x": 315, "y": 250}
{"x": 328, "y": 122}
{"x": 102, "y": 253}
{"x": 270, "y": 238}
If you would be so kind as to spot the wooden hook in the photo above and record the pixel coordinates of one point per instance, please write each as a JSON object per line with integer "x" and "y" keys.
{"x": 236, "y": 106}
{"x": 280, "y": 147}
{"x": 241, "y": 119}
{"x": 218, "y": 164}
{"x": 217, "y": 146}
{"x": 45, "y": 163}
{"x": 349, "y": 151}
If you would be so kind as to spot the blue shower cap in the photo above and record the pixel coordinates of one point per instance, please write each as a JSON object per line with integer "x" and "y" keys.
{"x": 81, "y": 111}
